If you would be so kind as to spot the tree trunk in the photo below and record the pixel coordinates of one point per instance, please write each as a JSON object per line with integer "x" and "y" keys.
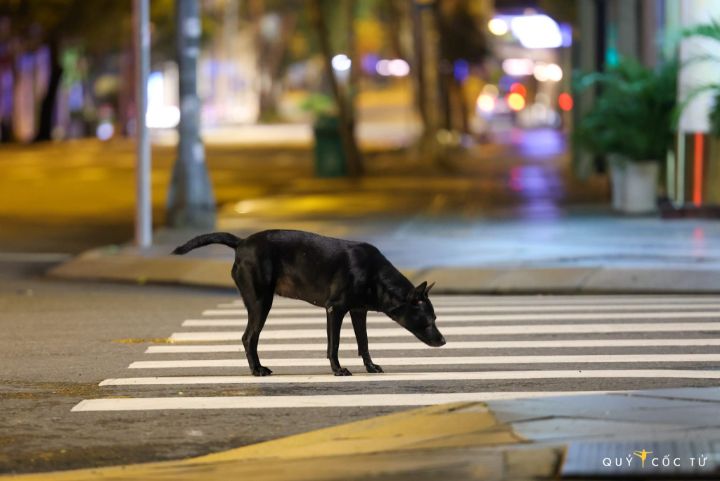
{"x": 394, "y": 27}
{"x": 47, "y": 107}
{"x": 349, "y": 9}
{"x": 6, "y": 115}
{"x": 7, "y": 67}
{"x": 6, "y": 133}
{"x": 191, "y": 203}
{"x": 270, "y": 66}
{"x": 345, "y": 113}
{"x": 428, "y": 81}
{"x": 418, "y": 62}
{"x": 126, "y": 103}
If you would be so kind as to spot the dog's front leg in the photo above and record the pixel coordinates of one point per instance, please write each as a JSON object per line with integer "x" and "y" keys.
{"x": 334, "y": 323}
{"x": 359, "y": 322}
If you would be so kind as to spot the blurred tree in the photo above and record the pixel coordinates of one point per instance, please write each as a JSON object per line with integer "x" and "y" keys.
{"x": 99, "y": 28}
{"x": 190, "y": 202}
{"x": 7, "y": 72}
{"x": 426, "y": 72}
{"x": 565, "y": 11}
{"x": 709, "y": 31}
{"x": 55, "y": 23}
{"x": 448, "y": 42}
{"x": 320, "y": 11}
{"x": 462, "y": 44}
{"x": 274, "y": 22}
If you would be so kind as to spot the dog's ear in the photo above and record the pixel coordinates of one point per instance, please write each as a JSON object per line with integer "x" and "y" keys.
{"x": 417, "y": 292}
{"x": 427, "y": 290}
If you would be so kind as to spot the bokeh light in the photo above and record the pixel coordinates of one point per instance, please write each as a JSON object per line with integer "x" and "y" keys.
{"x": 341, "y": 62}
{"x": 498, "y": 26}
{"x": 565, "y": 101}
{"x": 516, "y": 101}
{"x": 545, "y": 72}
{"x": 518, "y": 88}
{"x": 485, "y": 103}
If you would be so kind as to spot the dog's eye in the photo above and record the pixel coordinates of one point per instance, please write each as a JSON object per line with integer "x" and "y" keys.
{"x": 418, "y": 303}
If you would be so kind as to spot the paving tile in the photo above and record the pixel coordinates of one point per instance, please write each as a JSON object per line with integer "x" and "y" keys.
{"x": 652, "y": 280}
{"x": 568, "y": 429}
{"x": 600, "y": 406}
{"x": 700, "y": 394}
{"x": 458, "y": 279}
{"x": 568, "y": 279}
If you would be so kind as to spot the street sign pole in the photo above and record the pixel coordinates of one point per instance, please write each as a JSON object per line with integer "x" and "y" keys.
{"x": 143, "y": 203}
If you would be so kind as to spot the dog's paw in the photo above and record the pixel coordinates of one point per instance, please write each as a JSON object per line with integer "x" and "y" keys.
{"x": 373, "y": 368}
{"x": 261, "y": 371}
{"x": 343, "y": 372}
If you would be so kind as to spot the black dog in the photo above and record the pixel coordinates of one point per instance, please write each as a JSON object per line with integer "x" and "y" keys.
{"x": 341, "y": 276}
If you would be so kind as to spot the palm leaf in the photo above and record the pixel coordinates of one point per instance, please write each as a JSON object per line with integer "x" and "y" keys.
{"x": 709, "y": 30}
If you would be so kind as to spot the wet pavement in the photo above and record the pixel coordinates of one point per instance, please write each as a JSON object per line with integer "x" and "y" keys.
{"x": 95, "y": 181}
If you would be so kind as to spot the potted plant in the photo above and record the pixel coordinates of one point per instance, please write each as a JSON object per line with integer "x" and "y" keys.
{"x": 631, "y": 124}
{"x": 710, "y": 31}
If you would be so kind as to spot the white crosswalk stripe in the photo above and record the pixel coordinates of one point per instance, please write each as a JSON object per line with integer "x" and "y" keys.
{"x": 470, "y": 318}
{"x": 593, "y": 300}
{"x": 455, "y": 345}
{"x": 417, "y": 376}
{"x": 473, "y": 317}
{"x": 436, "y": 361}
{"x": 208, "y": 336}
{"x": 598, "y": 342}
{"x": 308, "y": 401}
{"x": 231, "y": 309}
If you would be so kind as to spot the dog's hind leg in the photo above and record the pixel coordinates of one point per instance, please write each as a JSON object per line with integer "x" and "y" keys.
{"x": 334, "y": 323}
{"x": 258, "y": 302}
{"x": 359, "y": 322}
{"x": 258, "y": 310}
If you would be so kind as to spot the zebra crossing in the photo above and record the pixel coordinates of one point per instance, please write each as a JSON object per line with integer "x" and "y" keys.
{"x": 498, "y": 348}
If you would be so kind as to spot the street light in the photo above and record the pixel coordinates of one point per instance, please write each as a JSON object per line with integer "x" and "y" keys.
{"x": 143, "y": 207}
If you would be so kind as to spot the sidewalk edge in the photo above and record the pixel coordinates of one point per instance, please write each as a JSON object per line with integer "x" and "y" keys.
{"x": 120, "y": 266}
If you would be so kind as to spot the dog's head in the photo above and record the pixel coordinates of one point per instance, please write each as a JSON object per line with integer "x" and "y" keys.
{"x": 416, "y": 314}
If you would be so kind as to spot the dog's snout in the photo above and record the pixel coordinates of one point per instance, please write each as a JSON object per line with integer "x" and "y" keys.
{"x": 442, "y": 341}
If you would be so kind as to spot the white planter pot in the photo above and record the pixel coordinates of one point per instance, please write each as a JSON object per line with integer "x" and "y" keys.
{"x": 634, "y": 186}
{"x": 617, "y": 185}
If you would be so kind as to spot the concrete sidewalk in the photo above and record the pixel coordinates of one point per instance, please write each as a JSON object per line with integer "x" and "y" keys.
{"x": 590, "y": 253}
{"x": 668, "y": 434}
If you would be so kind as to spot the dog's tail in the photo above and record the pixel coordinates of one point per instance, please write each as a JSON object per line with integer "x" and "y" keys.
{"x": 224, "y": 238}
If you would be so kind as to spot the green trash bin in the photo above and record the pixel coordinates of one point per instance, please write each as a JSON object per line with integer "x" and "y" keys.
{"x": 329, "y": 153}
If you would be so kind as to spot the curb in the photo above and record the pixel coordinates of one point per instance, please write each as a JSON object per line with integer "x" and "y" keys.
{"x": 129, "y": 265}
{"x": 447, "y": 439}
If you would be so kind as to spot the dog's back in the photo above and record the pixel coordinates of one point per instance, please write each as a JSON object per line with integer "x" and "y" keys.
{"x": 312, "y": 267}
{"x": 303, "y": 265}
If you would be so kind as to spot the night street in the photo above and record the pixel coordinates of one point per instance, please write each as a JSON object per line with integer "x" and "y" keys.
{"x": 530, "y": 186}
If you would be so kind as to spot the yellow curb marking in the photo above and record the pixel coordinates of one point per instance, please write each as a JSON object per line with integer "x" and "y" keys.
{"x": 384, "y": 442}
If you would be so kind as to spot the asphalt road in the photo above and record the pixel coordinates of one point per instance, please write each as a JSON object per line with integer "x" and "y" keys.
{"x": 60, "y": 340}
